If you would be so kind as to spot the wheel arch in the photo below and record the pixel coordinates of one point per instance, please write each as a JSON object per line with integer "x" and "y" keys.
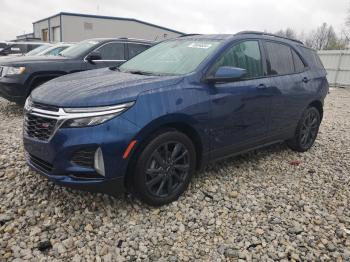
{"x": 175, "y": 122}
{"x": 318, "y": 105}
{"x": 42, "y": 77}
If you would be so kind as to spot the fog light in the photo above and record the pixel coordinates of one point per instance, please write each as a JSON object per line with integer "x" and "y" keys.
{"x": 98, "y": 162}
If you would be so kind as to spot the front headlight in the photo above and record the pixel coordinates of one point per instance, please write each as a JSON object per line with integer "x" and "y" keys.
{"x": 12, "y": 70}
{"x": 92, "y": 116}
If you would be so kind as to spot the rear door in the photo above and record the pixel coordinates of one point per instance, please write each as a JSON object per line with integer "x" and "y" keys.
{"x": 240, "y": 109}
{"x": 290, "y": 80}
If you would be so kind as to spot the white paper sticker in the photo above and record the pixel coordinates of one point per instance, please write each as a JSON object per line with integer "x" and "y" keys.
{"x": 200, "y": 45}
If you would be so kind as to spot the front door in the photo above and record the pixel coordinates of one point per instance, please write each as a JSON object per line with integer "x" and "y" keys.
{"x": 112, "y": 54}
{"x": 240, "y": 110}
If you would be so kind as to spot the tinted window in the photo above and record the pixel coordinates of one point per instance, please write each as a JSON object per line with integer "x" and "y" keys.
{"x": 280, "y": 60}
{"x": 298, "y": 64}
{"x": 112, "y": 51}
{"x": 312, "y": 58}
{"x": 135, "y": 49}
{"x": 244, "y": 55}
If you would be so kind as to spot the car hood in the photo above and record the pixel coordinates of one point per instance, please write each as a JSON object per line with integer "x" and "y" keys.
{"x": 98, "y": 88}
{"x": 30, "y": 59}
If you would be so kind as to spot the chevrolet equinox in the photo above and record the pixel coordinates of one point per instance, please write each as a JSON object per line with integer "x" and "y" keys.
{"x": 147, "y": 125}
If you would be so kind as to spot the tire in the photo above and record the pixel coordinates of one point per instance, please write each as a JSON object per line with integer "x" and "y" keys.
{"x": 306, "y": 131}
{"x": 161, "y": 175}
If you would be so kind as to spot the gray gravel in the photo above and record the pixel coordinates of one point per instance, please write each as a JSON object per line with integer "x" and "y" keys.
{"x": 271, "y": 204}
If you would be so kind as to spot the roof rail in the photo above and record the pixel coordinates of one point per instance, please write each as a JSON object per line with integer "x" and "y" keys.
{"x": 268, "y": 34}
{"x": 137, "y": 39}
{"x": 184, "y": 35}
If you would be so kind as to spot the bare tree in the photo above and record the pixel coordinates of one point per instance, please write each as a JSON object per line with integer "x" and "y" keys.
{"x": 324, "y": 38}
{"x": 289, "y": 32}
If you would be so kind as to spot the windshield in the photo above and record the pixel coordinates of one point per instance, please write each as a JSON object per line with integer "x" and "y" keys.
{"x": 38, "y": 50}
{"x": 79, "y": 49}
{"x": 174, "y": 57}
{"x": 54, "y": 51}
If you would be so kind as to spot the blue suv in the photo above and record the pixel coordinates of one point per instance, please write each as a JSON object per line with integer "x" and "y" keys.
{"x": 149, "y": 124}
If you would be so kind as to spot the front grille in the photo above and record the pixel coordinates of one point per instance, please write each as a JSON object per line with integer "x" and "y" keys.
{"x": 84, "y": 157}
{"x": 40, "y": 164}
{"x": 44, "y": 107}
{"x": 39, "y": 127}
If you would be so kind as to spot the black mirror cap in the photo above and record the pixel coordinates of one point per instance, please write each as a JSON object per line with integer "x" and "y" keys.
{"x": 95, "y": 55}
{"x": 227, "y": 74}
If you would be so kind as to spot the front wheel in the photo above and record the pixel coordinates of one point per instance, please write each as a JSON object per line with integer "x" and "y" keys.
{"x": 306, "y": 131}
{"x": 164, "y": 168}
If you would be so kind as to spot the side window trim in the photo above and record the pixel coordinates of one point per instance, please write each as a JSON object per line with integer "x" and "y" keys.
{"x": 231, "y": 46}
{"x": 105, "y": 60}
{"x": 306, "y": 66}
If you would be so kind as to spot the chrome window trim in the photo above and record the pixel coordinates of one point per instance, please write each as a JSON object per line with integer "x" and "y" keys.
{"x": 114, "y": 42}
{"x": 96, "y": 61}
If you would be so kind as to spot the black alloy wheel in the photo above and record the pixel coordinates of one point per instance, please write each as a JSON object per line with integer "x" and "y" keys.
{"x": 306, "y": 131}
{"x": 164, "y": 168}
{"x": 167, "y": 169}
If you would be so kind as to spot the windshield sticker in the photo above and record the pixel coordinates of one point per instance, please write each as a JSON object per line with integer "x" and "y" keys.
{"x": 200, "y": 45}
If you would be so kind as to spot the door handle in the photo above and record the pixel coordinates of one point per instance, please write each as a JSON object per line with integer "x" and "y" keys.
{"x": 305, "y": 79}
{"x": 261, "y": 86}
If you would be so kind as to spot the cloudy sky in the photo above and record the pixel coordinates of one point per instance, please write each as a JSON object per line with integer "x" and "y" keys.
{"x": 190, "y": 16}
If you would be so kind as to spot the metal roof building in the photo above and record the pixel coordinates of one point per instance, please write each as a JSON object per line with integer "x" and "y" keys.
{"x": 72, "y": 27}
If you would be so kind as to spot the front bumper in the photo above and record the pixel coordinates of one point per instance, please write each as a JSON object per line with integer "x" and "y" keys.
{"x": 53, "y": 158}
{"x": 13, "y": 90}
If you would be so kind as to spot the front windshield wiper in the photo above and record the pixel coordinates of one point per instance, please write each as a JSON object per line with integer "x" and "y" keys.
{"x": 114, "y": 68}
{"x": 139, "y": 72}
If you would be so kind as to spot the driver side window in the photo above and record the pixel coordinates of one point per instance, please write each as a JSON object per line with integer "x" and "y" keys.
{"x": 244, "y": 55}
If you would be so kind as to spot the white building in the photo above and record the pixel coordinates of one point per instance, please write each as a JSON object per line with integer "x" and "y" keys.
{"x": 71, "y": 27}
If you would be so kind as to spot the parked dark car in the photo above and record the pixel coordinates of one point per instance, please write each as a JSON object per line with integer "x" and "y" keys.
{"x": 20, "y": 48}
{"x": 149, "y": 124}
{"x": 3, "y": 45}
{"x": 19, "y": 76}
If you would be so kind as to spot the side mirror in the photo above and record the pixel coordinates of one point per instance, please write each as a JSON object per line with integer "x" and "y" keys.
{"x": 94, "y": 55}
{"x": 227, "y": 74}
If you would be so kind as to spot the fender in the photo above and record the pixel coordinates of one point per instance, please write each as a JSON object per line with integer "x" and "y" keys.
{"x": 183, "y": 123}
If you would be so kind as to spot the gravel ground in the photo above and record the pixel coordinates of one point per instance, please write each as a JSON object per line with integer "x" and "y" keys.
{"x": 271, "y": 204}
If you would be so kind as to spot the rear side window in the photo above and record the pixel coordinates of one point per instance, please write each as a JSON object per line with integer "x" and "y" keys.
{"x": 112, "y": 51}
{"x": 312, "y": 58}
{"x": 298, "y": 63}
{"x": 244, "y": 55}
{"x": 280, "y": 59}
{"x": 135, "y": 49}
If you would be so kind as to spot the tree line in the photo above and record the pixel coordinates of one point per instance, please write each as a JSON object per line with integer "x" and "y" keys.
{"x": 323, "y": 37}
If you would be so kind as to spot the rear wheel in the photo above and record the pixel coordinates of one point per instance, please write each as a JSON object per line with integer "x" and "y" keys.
{"x": 306, "y": 131}
{"x": 164, "y": 168}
